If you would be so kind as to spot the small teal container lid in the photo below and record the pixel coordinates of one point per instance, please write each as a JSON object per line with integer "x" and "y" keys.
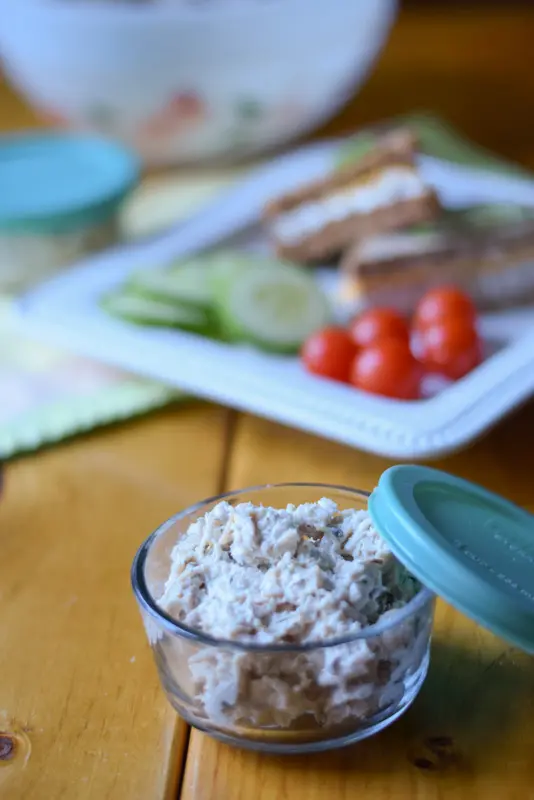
{"x": 58, "y": 182}
{"x": 468, "y": 545}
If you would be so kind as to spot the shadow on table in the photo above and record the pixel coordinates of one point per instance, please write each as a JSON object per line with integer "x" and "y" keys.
{"x": 469, "y": 703}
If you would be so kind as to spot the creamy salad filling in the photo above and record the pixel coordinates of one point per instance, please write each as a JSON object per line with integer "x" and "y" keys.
{"x": 292, "y": 576}
{"x": 392, "y": 185}
{"x": 387, "y": 247}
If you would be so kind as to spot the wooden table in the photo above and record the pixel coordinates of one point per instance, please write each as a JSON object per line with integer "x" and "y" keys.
{"x": 78, "y": 689}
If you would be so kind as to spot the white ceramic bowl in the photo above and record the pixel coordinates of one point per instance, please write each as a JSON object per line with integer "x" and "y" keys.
{"x": 223, "y": 79}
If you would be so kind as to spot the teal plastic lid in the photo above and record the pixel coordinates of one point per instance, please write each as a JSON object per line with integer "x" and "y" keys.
{"x": 468, "y": 545}
{"x": 55, "y": 182}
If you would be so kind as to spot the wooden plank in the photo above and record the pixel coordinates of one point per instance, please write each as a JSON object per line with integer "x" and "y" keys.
{"x": 96, "y": 721}
{"x": 14, "y": 112}
{"x": 79, "y": 688}
{"x": 470, "y": 732}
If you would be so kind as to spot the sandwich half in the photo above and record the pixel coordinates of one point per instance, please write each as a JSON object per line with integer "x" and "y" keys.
{"x": 494, "y": 264}
{"x": 382, "y": 191}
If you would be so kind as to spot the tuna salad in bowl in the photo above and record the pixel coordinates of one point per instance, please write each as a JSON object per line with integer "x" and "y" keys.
{"x": 280, "y": 620}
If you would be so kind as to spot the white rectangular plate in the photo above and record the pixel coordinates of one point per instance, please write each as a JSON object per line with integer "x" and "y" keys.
{"x": 65, "y": 311}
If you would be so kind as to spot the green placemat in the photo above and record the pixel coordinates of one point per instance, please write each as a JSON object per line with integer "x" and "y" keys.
{"x": 47, "y": 394}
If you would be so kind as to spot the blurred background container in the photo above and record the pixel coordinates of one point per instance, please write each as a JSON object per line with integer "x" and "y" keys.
{"x": 185, "y": 84}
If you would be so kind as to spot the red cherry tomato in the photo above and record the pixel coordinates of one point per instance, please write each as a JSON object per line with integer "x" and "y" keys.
{"x": 377, "y": 324}
{"x": 452, "y": 349}
{"x": 387, "y": 368}
{"x": 330, "y": 353}
{"x": 441, "y": 305}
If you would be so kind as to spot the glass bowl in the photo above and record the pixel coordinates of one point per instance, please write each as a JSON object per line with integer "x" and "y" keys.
{"x": 282, "y": 698}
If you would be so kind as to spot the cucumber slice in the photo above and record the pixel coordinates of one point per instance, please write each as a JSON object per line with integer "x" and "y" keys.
{"x": 226, "y": 266}
{"x": 187, "y": 283}
{"x": 275, "y": 306}
{"x": 150, "y": 311}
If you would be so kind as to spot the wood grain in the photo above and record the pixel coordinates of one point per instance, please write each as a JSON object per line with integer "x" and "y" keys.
{"x": 14, "y": 113}
{"x": 78, "y": 685}
{"x": 469, "y": 734}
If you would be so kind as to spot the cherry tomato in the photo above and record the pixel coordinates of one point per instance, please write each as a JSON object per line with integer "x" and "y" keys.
{"x": 330, "y": 353}
{"x": 387, "y": 368}
{"x": 452, "y": 349}
{"x": 441, "y": 305}
{"x": 377, "y": 324}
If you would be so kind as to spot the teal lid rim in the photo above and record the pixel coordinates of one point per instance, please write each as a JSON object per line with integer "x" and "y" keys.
{"x": 83, "y": 215}
{"x": 405, "y": 528}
